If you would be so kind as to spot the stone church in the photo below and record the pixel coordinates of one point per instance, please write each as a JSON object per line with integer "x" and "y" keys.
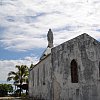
{"x": 69, "y": 71}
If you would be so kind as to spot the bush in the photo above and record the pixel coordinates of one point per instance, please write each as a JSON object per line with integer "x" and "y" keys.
{"x": 5, "y": 89}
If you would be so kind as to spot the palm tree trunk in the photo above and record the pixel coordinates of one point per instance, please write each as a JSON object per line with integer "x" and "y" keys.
{"x": 20, "y": 90}
{"x": 20, "y": 85}
{"x": 26, "y": 92}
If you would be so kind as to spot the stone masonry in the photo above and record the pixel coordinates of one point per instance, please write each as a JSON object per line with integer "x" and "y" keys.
{"x": 70, "y": 72}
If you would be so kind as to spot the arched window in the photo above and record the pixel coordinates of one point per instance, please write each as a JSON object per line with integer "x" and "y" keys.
{"x": 74, "y": 71}
{"x": 99, "y": 68}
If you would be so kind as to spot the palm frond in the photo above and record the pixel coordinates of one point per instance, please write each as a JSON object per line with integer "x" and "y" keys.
{"x": 17, "y": 66}
{"x": 11, "y": 73}
{"x": 10, "y": 78}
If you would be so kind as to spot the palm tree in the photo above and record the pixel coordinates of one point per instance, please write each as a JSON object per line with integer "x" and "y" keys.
{"x": 13, "y": 76}
{"x": 19, "y": 77}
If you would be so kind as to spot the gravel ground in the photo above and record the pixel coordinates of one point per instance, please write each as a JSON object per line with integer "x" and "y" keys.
{"x": 11, "y": 98}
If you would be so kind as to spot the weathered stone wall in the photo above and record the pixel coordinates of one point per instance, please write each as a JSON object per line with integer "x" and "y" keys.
{"x": 86, "y": 51}
{"x": 40, "y": 80}
{"x": 51, "y": 77}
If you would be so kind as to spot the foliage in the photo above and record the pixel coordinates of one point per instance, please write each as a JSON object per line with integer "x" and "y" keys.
{"x": 5, "y": 89}
{"x": 31, "y": 66}
{"x": 19, "y": 77}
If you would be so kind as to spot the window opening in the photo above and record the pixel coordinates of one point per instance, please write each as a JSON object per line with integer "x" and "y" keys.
{"x": 74, "y": 71}
{"x": 44, "y": 75}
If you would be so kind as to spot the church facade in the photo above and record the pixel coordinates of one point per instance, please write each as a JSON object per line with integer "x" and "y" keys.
{"x": 69, "y": 71}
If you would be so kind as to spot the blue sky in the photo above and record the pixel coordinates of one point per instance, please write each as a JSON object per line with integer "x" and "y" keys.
{"x": 24, "y": 25}
{"x": 9, "y": 55}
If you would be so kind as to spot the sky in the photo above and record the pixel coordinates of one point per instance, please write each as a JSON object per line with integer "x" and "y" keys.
{"x": 24, "y": 25}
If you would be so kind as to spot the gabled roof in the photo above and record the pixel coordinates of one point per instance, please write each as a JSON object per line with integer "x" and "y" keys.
{"x": 40, "y": 61}
{"x": 80, "y": 38}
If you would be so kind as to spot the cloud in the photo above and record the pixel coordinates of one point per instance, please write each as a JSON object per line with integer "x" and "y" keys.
{"x": 9, "y": 65}
{"x": 25, "y": 23}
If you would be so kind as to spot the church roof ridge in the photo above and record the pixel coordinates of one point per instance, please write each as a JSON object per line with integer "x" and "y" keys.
{"x": 81, "y": 36}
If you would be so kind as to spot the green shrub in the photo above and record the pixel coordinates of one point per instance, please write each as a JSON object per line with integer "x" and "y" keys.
{"x": 5, "y": 89}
